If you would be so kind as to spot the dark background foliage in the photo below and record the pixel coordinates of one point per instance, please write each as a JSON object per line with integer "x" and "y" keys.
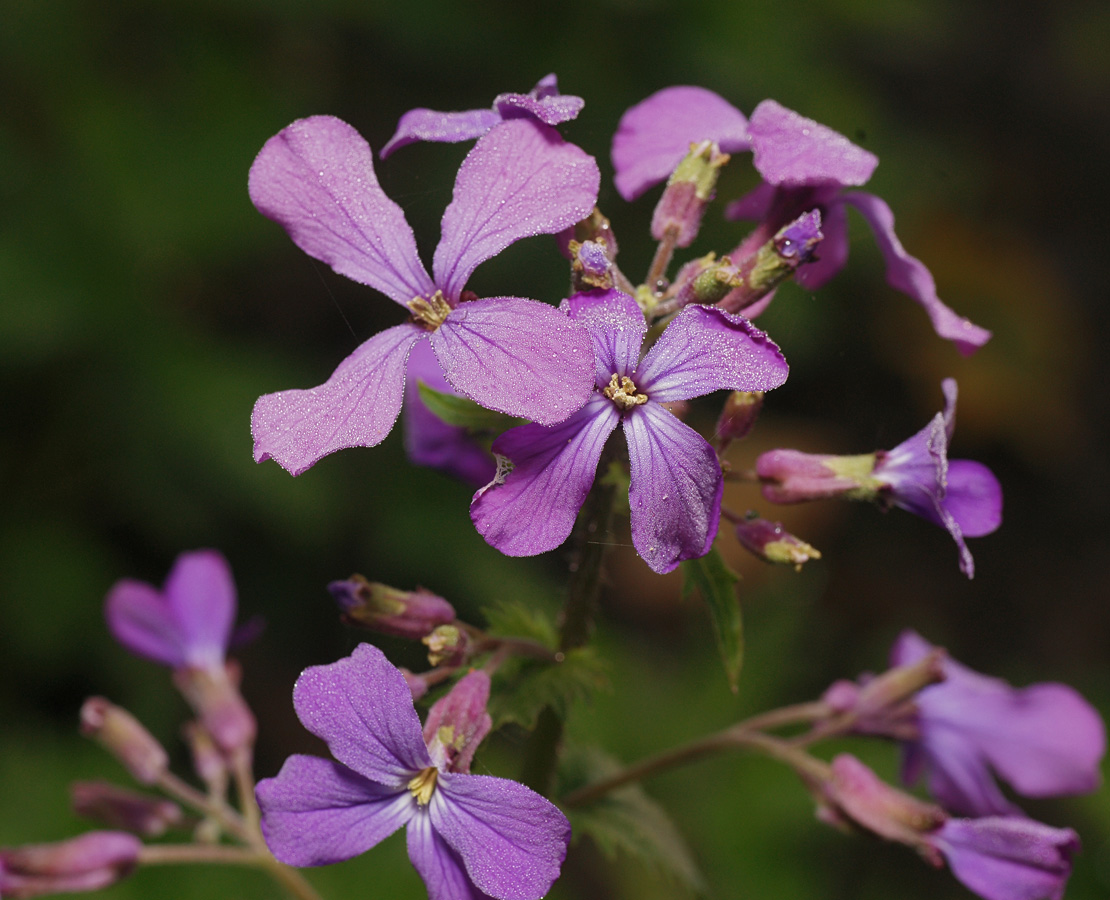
{"x": 144, "y": 305}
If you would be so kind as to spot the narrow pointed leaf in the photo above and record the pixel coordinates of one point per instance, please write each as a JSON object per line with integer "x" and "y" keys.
{"x": 710, "y": 577}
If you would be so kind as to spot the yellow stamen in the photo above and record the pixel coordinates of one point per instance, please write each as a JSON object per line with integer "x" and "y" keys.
{"x": 431, "y": 312}
{"x": 622, "y": 391}
{"x": 423, "y": 785}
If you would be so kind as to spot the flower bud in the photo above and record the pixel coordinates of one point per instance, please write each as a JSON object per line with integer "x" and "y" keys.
{"x": 595, "y": 227}
{"x": 407, "y": 614}
{"x": 688, "y": 192}
{"x": 773, "y": 543}
{"x": 589, "y": 266}
{"x": 208, "y": 761}
{"x": 122, "y": 735}
{"x": 706, "y": 280}
{"x": 119, "y": 807}
{"x": 775, "y": 261}
{"x": 790, "y": 476}
{"x": 214, "y": 696}
{"x": 458, "y": 721}
{"x": 86, "y": 863}
{"x": 738, "y": 416}
{"x": 446, "y": 646}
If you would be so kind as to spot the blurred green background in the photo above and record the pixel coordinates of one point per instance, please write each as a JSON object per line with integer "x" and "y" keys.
{"x": 144, "y": 306}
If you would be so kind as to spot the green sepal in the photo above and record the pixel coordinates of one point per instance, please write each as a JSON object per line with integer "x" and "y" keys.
{"x": 710, "y": 577}
{"x": 626, "y": 821}
{"x": 523, "y": 687}
{"x": 463, "y": 412}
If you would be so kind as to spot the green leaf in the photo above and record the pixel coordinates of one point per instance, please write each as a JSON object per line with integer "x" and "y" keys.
{"x": 523, "y": 687}
{"x": 464, "y": 412}
{"x": 516, "y": 619}
{"x": 626, "y": 821}
{"x": 716, "y": 582}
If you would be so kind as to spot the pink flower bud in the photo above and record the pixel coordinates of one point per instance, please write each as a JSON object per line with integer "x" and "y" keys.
{"x": 773, "y": 543}
{"x": 119, "y": 807}
{"x": 86, "y": 863}
{"x": 214, "y": 696}
{"x": 688, "y": 192}
{"x": 208, "y": 762}
{"x": 458, "y": 721}
{"x": 790, "y": 476}
{"x": 407, "y": 614}
{"x": 738, "y": 416}
{"x": 125, "y": 738}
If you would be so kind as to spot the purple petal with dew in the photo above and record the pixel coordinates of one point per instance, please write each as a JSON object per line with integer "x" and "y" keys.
{"x": 705, "y": 349}
{"x": 754, "y": 205}
{"x": 316, "y": 179}
{"x": 907, "y": 274}
{"x": 655, "y": 134}
{"x": 316, "y": 812}
{"x": 1008, "y": 858}
{"x": 201, "y": 591}
{"x": 831, "y": 253}
{"x": 520, "y": 180}
{"x": 517, "y": 356}
{"x": 140, "y": 619}
{"x": 675, "y": 489}
{"x": 429, "y": 441}
{"x": 617, "y": 327}
{"x": 511, "y": 840}
{"x": 544, "y": 102}
{"x": 532, "y": 508}
{"x": 790, "y": 150}
{"x": 362, "y": 708}
{"x": 356, "y": 407}
{"x": 440, "y": 127}
{"x": 974, "y": 497}
{"x": 437, "y": 864}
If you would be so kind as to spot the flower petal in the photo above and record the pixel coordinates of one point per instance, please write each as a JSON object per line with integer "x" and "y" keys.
{"x": 140, "y": 619}
{"x": 544, "y": 102}
{"x": 317, "y": 812}
{"x": 655, "y": 134}
{"x": 316, "y": 179}
{"x": 675, "y": 489}
{"x": 517, "y": 356}
{"x": 617, "y": 327}
{"x": 832, "y": 252}
{"x": 443, "y": 872}
{"x": 362, "y": 707}
{"x": 974, "y": 497}
{"x": 511, "y": 840}
{"x": 754, "y": 205}
{"x": 908, "y": 274}
{"x": 706, "y": 349}
{"x": 532, "y": 508}
{"x": 356, "y": 407}
{"x": 520, "y": 180}
{"x": 201, "y": 592}
{"x": 789, "y": 149}
{"x": 441, "y": 127}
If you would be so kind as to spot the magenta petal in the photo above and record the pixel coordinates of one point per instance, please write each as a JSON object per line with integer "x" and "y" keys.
{"x": 140, "y": 619}
{"x": 544, "y": 102}
{"x": 532, "y": 509}
{"x": 617, "y": 327}
{"x": 832, "y": 252}
{"x": 974, "y": 497}
{"x": 520, "y": 180}
{"x": 655, "y": 134}
{"x": 511, "y": 840}
{"x": 362, "y": 707}
{"x": 356, "y": 407}
{"x": 517, "y": 356}
{"x": 754, "y": 205}
{"x": 316, "y": 812}
{"x": 706, "y": 349}
{"x": 437, "y": 864}
{"x": 316, "y": 179}
{"x": 442, "y": 127}
{"x": 907, "y": 274}
{"x": 790, "y": 150}
{"x": 675, "y": 490}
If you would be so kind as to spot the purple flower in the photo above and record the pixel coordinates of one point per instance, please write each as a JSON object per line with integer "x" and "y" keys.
{"x": 316, "y": 178}
{"x": 960, "y": 495}
{"x": 675, "y": 492}
{"x": 806, "y": 165}
{"x": 468, "y": 835}
{"x": 1043, "y": 740}
{"x": 543, "y": 102}
{"x": 87, "y": 863}
{"x": 1007, "y": 858}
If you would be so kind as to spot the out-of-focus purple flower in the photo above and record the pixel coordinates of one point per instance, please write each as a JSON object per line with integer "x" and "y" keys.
{"x": 543, "y": 102}
{"x": 544, "y": 474}
{"x": 806, "y": 165}
{"x": 960, "y": 495}
{"x": 87, "y": 863}
{"x": 468, "y": 835}
{"x": 655, "y": 135}
{"x": 316, "y": 179}
{"x": 187, "y": 626}
{"x": 1006, "y": 857}
{"x": 1043, "y": 740}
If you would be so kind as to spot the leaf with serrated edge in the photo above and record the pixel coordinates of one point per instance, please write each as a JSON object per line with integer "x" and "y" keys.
{"x": 716, "y": 583}
{"x": 522, "y": 690}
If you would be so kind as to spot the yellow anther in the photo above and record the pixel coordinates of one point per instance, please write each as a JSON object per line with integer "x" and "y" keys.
{"x": 622, "y": 391}
{"x": 431, "y": 312}
{"x": 423, "y": 785}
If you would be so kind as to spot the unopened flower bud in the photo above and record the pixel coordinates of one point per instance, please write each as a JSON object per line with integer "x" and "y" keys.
{"x": 208, "y": 762}
{"x": 595, "y": 227}
{"x": 214, "y": 696}
{"x": 883, "y": 704}
{"x": 738, "y": 417}
{"x": 86, "y": 863}
{"x": 775, "y": 261}
{"x": 773, "y": 543}
{"x": 418, "y": 684}
{"x": 119, "y": 807}
{"x": 790, "y": 476}
{"x": 446, "y": 646}
{"x": 122, "y": 735}
{"x": 688, "y": 192}
{"x": 407, "y": 614}
{"x": 706, "y": 280}
{"x": 589, "y": 266}
{"x": 458, "y": 721}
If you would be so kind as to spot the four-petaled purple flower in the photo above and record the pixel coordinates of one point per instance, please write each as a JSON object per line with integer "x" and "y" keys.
{"x": 468, "y": 835}
{"x": 316, "y": 178}
{"x": 543, "y": 102}
{"x": 676, "y": 484}
{"x": 1044, "y": 739}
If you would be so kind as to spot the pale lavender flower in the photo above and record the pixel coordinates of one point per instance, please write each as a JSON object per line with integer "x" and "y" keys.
{"x": 960, "y": 495}
{"x": 316, "y": 178}
{"x": 468, "y": 835}
{"x": 87, "y": 863}
{"x": 675, "y": 491}
{"x": 1043, "y": 740}
{"x": 543, "y": 103}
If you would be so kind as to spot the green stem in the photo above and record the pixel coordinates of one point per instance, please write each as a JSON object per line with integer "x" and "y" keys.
{"x": 177, "y": 854}
{"x": 231, "y": 821}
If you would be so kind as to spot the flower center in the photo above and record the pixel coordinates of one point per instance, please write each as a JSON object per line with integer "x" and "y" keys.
{"x": 623, "y": 393}
{"x": 423, "y": 785}
{"x": 429, "y": 313}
